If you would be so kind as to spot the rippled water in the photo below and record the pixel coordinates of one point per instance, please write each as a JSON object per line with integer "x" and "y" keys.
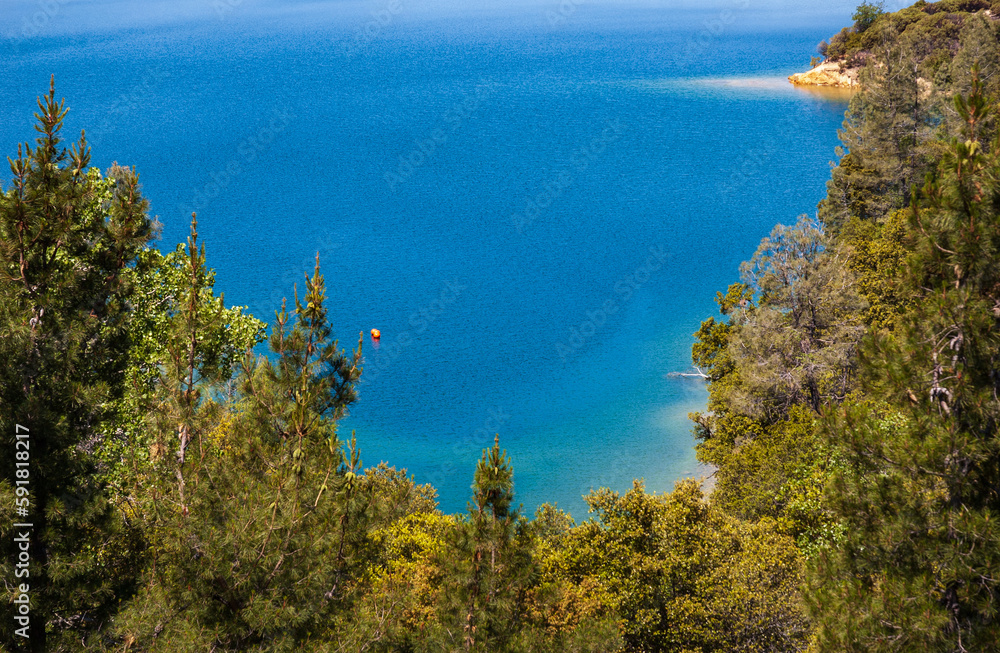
{"x": 536, "y": 215}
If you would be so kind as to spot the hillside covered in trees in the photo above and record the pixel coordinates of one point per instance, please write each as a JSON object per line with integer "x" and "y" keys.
{"x": 185, "y": 494}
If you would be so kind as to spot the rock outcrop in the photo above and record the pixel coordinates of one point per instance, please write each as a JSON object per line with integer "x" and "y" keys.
{"x": 828, "y": 73}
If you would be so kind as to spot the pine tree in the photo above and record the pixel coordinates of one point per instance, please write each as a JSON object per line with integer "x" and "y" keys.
{"x": 885, "y": 132}
{"x": 920, "y": 495}
{"x": 188, "y": 369}
{"x": 262, "y": 523}
{"x": 64, "y": 247}
{"x": 489, "y": 562}
{"x": 162, "y": 295}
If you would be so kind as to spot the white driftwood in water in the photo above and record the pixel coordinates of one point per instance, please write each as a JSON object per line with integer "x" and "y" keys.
{"x": 697, "y": 374}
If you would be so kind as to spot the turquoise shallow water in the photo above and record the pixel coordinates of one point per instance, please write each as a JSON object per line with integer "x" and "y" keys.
{"x": 536, "y": 215}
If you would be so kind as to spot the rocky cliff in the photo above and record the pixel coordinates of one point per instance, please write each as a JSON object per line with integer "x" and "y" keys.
{"x": 828, "y": 73}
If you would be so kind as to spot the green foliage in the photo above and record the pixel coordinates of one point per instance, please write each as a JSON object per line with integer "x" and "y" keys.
{"x": 66, "y": 238}
{"x": 711, "y": 353}
{"x": 918, "y": 496}
{"x": 877, "y": 255}
{"x": 840, "y": 44}
{"x": 159, "y": 282}
{"x": 397, "y": 592}
{"x": 796, "y": 345}
{"x": 709, "y": 350}
{"x": 489, "y": 563}
{"x": 856, "y": 190}
{"x": 751, "y": 483}
{"x": 565, "y": 610}
{"x": 932, "y": 28}
{"x": 240, "y": 521}
{"x": 772, "y": 471}
{"x": 886, "y": 129}
{"x": 866, "y": 14}
{"x": 772, "y": 368}
{"x": 893, "y": 500}
{"x": 979, "y": 48}
{"x": 684, "y": 577}
{"x": 722, "y": 433}
{"x": 911, "y": 62}
{"x": 258, "y": 529}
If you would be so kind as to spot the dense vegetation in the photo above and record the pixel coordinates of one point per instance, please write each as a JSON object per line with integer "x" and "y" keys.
{"x": 931, "y": 30}
{"x": 187, "y": 495}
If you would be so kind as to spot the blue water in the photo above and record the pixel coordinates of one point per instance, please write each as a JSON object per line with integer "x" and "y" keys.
{"x": 536, "y": 212}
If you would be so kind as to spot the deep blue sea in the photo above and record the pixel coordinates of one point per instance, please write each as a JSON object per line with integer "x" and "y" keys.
{"x": 535, "y": 205}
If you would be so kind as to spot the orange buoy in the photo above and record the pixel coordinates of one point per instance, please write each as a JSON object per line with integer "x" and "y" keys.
{"x": 376, "y": 334}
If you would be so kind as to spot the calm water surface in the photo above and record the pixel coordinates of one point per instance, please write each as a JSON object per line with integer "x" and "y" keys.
{"x": 536, "y": 214}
